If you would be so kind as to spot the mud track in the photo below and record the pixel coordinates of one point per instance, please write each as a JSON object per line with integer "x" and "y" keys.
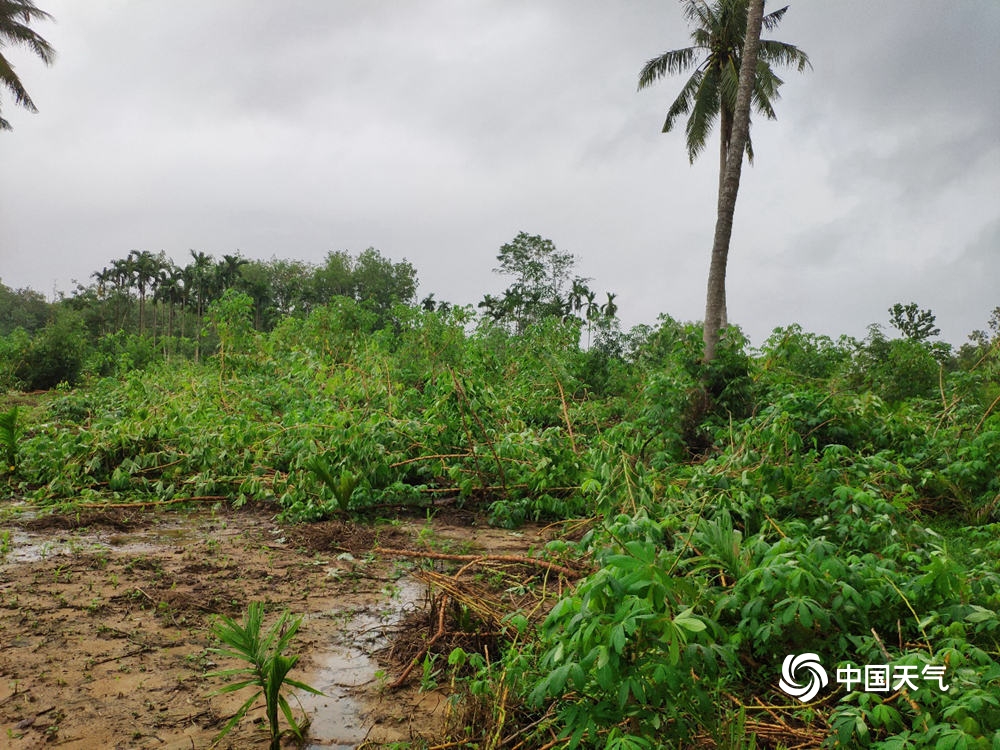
{"x": 105, "y": 624}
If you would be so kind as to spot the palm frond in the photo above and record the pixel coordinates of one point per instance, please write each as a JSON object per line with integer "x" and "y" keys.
{"x": 771, "y": 20}
{"x": 14, "y": 32}
{"x": 9, "y": 79}
{"x": 669, "y": 63}
{"x": 682, "y": 104}
{"x": 765, "y": 90}
{"x": 729, "y": 77}
{"x": 704, "y": 113}
{"x": 17, "y": 33}
{"x": 268, "y": 667}
{"x": 781, "y": 53}
{"x": 236, "y": 717}
{"x": 702, "y": 39}
{"x": 704, "y": 16}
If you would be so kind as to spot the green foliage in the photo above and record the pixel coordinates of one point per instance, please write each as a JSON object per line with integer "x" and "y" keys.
{"x": 9, "y": 436}
{"x": 895, "y": 369}
{"x": 13, "y": 352}
{"x": 805, "y": 354}
{"x": 341, "y": 486}
{"x": 718, "y": 31}
{"x": 267, "y": 670}
{"x": 915, "y": 324}
{"x": 121, "y": 352}
{"x": 56, "y": 354}
{"x": 22, "y": 308}
{"x": 15, "y": 30}
{"x": 622, "y": 647}
{"x": 816, "y": 496}
{"x": 543, "y": 287}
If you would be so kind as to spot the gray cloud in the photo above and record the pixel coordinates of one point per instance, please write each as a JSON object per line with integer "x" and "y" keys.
{"x": 438, "y": 130}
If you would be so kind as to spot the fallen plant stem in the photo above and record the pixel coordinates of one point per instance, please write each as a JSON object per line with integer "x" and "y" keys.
{"x": 133, "y": 652}
{"x": 156, "y": 503}
{"x": 519, "y": 559}
{"x": 429, "y": 458}
{"x": 14, "y": 695}
{"x": 442, "y": 607}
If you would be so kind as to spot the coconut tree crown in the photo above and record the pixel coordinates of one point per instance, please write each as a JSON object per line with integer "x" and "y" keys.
{"x": 718, "y": 30}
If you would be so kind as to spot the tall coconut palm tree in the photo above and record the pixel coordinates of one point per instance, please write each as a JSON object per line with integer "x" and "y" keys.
{"x": 709, "y": 95}
{"x": 715, "y": 305}
{"x": 15, "y": 15}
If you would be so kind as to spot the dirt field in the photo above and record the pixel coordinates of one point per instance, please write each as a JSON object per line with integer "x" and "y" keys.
{"x": 105, "y": 624}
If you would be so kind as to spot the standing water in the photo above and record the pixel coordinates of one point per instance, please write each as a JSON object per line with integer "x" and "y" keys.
{"x": 338, "y": 717}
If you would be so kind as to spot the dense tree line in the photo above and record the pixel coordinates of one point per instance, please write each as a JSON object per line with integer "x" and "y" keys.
{"x": 145, "y": 306}
{"x": 148, "y": 293}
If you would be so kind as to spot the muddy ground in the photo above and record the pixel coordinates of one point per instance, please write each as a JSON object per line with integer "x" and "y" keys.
{"x": 106, "y": 624}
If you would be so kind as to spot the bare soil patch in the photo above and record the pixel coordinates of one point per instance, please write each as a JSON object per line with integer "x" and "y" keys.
{"x": 105, "y": 624}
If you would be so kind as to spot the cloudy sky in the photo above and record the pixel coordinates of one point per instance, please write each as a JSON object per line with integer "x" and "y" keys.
{"x": 436, "y": 130}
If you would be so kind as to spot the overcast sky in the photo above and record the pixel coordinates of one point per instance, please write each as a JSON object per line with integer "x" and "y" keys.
{"x": 436, "y": 130}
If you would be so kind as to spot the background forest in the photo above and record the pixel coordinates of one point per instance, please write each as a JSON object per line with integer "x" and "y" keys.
{"x": 805, "y": 496}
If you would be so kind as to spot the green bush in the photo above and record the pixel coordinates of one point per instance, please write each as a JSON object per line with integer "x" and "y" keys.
{"x": 896, "y": 369}
{"x": 803, "y": 353}
{"x": 13, "y": 354}
{"x": 56, "y": 354}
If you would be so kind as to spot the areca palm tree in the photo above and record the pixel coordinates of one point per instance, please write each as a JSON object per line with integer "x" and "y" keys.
{"x": 146, "y": 269}
{"x": 709, "y": 95}
{"x": 15, "y": 15}
{"x": 227, "y": 270}
{"x": 170, "y": 292}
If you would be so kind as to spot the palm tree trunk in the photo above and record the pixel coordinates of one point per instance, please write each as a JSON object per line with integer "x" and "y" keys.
{"x": 715, "y": 304}
{"x": 726, "y": 134}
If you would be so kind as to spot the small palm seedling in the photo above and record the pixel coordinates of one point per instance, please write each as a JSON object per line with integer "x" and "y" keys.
{"x": 268, "y": 668}
{"x": 8, "y": 438}
{"x": 342, "y": 486}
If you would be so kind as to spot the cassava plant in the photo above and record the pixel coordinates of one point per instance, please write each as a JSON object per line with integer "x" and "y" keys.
{"x": 268, "y": 668}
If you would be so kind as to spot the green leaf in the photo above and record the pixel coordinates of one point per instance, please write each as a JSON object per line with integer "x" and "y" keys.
{"x": 980, "y": 614}
{"x": 618, "y": 638}
{"x": 689, "y": 621}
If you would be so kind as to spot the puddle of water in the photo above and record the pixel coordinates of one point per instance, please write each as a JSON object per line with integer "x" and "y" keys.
{"x": 338, "y": 718}
{"x": 28, "y": 547}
